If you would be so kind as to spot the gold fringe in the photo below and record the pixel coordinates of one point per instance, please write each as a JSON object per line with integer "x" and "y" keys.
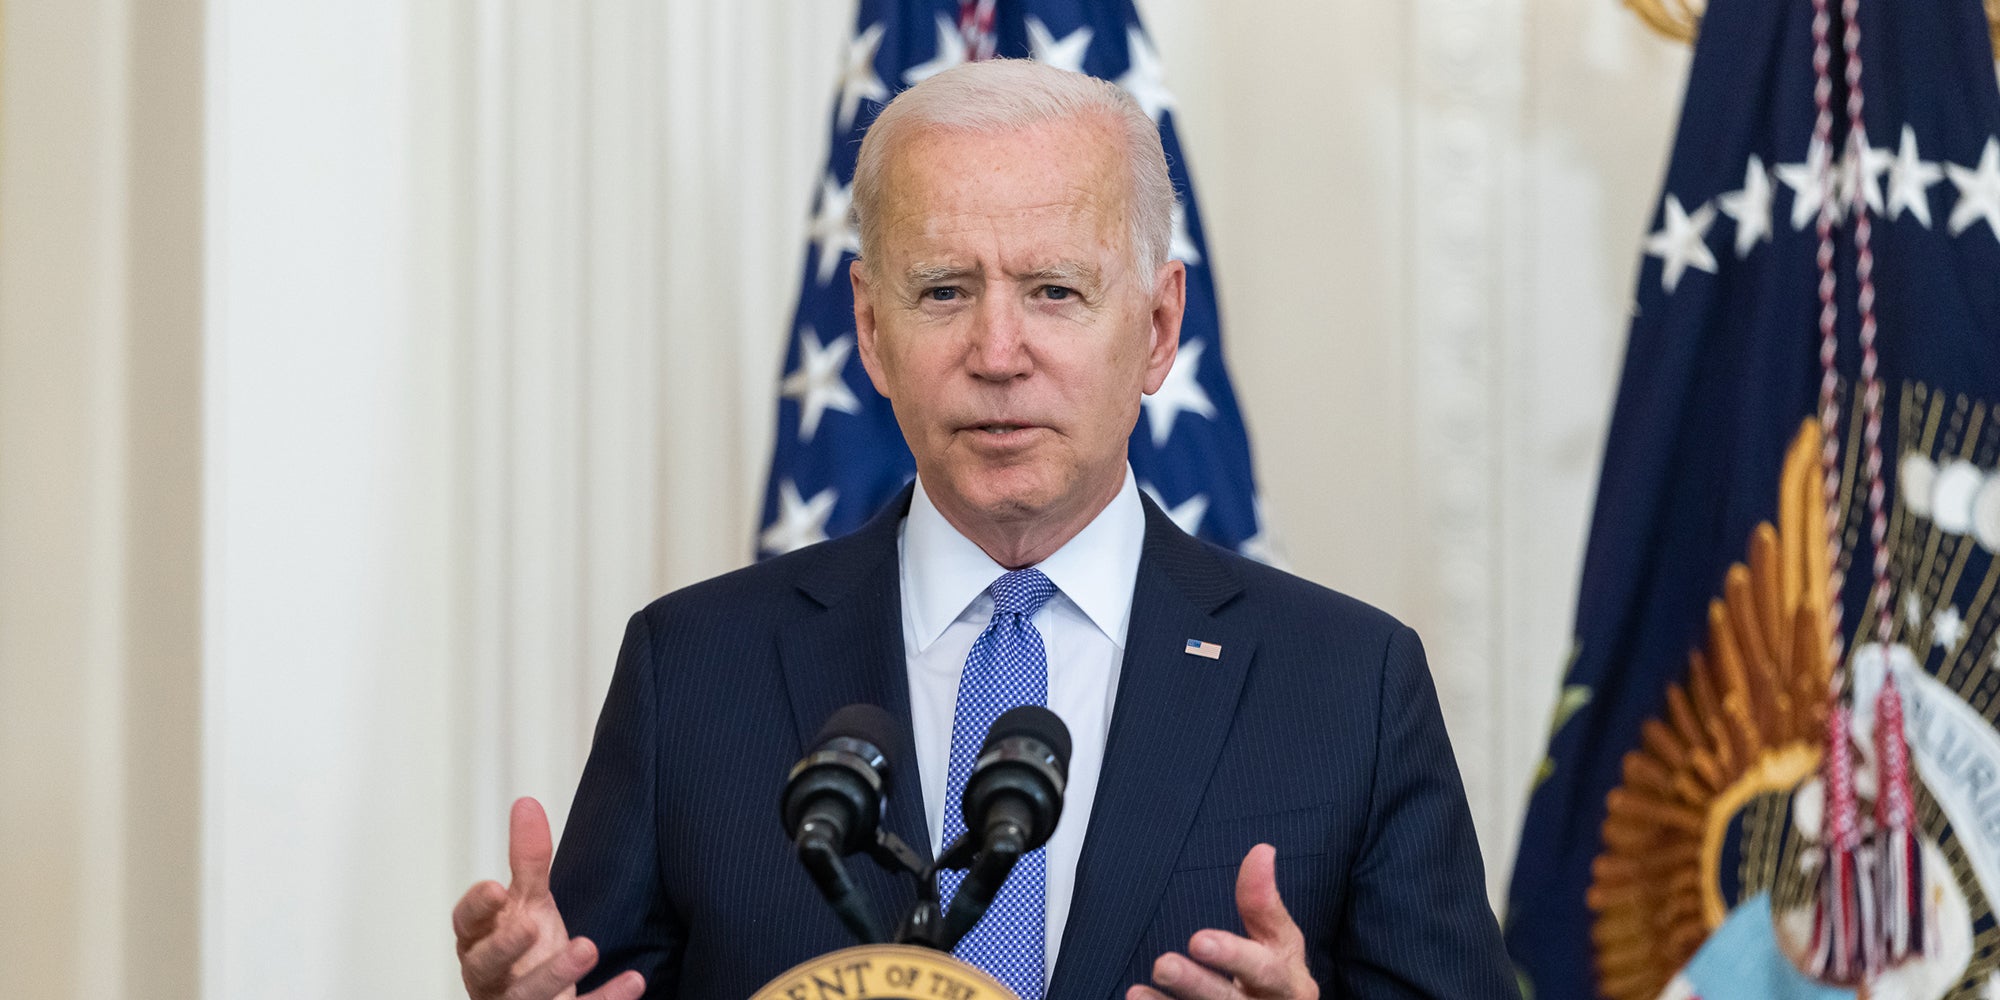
{"x": 1680, "y": 20}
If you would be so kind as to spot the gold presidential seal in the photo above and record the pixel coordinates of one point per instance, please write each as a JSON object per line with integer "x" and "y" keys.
{"x": 884, "y": 972}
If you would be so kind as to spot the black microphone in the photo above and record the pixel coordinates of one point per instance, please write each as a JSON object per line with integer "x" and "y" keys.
{"x": 1012, "y": 802}
{"x": 832, "y": 807}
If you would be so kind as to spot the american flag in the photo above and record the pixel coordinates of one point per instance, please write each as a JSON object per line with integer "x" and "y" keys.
{"x": 839, "y": 456}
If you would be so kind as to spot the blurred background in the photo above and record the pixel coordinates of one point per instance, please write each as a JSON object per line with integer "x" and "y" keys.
{"x": 364, "y": 364}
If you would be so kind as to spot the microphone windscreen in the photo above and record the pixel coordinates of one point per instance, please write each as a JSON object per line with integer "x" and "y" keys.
{"x": 1034, "y": 722}
{"x": 860, "y": 721}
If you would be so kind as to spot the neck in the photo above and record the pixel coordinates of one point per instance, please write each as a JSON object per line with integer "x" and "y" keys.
{"x": 1020, "y": 543}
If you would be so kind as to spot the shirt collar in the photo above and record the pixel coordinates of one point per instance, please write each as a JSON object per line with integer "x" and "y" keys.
{"x": 944, "y": 572}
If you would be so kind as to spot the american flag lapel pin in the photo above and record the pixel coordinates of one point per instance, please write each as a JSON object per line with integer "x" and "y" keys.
{"x": 1212, "y": 650}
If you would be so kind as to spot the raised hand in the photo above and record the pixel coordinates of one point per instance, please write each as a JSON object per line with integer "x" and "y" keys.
{"x": 512, "y": 944}
{"x": 1270, "y": 964}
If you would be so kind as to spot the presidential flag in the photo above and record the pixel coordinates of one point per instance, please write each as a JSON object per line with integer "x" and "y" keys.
{"x": 1727, "y": 783}
{"x": 838, "y": 456}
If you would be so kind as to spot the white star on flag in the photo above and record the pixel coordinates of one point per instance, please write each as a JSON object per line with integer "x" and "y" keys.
{"x": 1910, "y": 178}
{"x": 1946, "y": 628}
{"x": 1682, "y": 242}
{"x": 951, "y": 51}
{"x": 818, "y": 383}
{"x": 1262, "y": 546}
{"x": 1187, "y": 515}
{"x": 1978, "y": 192}
{"x": 1183, "y": 248}
{"x": 832, "y": 231}
{"x": 1808, "y": 181}
{"x": 1181, "y": 391}
{"x": 1065, "y": 53}
{"x": 1750, "y": 207}
{"x": 1144, "y": 77}
{"x": 800, "y": 522}
{"x": 858, "y": 81}
{"x": 1913, "y": 609}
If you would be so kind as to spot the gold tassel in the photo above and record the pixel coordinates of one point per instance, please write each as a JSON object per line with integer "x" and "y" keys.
{"x": 1679, "y": 20}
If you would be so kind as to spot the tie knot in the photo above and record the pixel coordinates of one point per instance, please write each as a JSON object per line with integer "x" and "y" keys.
{"x": 1022, "y": 592}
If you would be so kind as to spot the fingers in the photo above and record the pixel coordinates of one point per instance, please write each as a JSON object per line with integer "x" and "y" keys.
{"x": 528, "y": 849}
{"x": 1227, "y": 967}
{"x": 1264, "y": 914}
{"x": 1270, "y": 964}
{"x": 560, "y": 972}
{"x": 473, "y": 917}
{"x": 628, "y": 986}
{"x": 488, "y": 965}
{"x": 1181, "y": 978}
{"x": 1258, "y": 969}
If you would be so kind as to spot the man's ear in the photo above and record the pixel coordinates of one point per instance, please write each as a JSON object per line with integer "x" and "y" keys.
{"x": 1164, "y": 332}
{"x": 864, "y": 325}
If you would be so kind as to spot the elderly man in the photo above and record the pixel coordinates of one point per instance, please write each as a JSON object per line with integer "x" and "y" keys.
{"x": 1262, "y": 800}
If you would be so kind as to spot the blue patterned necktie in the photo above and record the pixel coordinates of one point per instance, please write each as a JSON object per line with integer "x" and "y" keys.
{"x": 1006, "y": 668}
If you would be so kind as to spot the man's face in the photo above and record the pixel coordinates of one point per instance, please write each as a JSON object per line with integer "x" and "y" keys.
{"x": 1001, "y": 316}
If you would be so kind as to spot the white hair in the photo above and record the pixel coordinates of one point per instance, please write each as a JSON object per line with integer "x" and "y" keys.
{"x": 1005, "y": 95}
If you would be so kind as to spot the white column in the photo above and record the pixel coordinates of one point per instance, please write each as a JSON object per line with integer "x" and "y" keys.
{"x": 1467, "y": 74}
{"x": 329, "y": 789}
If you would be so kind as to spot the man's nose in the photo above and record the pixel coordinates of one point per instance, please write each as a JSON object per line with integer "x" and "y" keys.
{"x": 999, "y": 348}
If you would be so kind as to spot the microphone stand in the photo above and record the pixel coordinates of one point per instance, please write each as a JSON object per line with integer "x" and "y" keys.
{"x": 822, "y": 861}
{"x": 923, "y": 925}
{"x": 928, "y": 924}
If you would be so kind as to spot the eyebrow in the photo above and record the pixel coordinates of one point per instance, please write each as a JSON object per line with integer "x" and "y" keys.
{"x": 926, "y": 274}
{"x": 1064, "y": 273}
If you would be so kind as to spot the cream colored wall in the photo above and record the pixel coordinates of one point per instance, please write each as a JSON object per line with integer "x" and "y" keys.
{"x": 363, "y": 364}
{"x": 100, "y": 452}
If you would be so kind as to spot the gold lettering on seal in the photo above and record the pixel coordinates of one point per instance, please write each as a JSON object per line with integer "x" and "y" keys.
{"x": 884, "y": 972}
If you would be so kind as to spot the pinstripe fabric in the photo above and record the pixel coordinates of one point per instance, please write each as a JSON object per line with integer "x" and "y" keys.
{"x": 1317, "y": 730}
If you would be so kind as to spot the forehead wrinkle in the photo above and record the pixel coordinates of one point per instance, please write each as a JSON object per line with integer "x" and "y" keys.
{"x": 945, "y": 212}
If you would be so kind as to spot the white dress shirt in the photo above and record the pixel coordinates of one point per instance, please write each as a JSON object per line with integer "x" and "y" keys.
{"x": 944, "y": 578}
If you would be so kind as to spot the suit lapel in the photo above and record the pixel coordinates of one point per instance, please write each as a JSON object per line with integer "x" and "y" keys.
{"x": 1172, "y": 715}
{"x": 853, "y": 652}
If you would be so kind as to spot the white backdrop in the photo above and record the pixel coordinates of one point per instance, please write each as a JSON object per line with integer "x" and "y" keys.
{"x": 489, "y": 300}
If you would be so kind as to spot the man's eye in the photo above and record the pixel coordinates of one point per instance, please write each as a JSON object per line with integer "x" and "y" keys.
{"x": 1058, "y": 292}
{"x": 942, "y": 294}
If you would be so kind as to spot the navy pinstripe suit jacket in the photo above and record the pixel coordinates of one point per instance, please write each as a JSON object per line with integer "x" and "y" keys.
{"x": 1317, "y": 730}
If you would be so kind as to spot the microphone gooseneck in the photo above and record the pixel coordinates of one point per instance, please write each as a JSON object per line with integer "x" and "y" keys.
{"x": 1011, "y": 805}
{"x": 832, "y": 807}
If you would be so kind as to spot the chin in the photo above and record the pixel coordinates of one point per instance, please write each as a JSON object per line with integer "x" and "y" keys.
{"x": 1007, "y": 495}
{"x": 1003, "y": 507}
